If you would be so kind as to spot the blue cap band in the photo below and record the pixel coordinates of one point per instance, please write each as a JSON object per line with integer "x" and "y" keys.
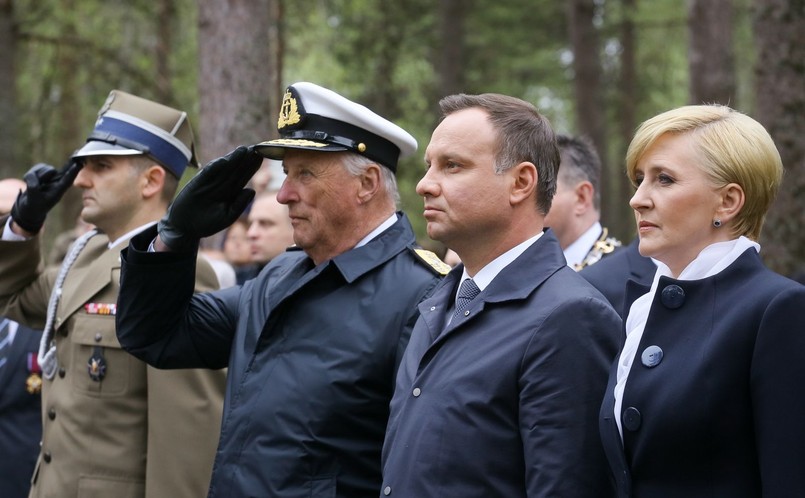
{"x": 118, "y": 132}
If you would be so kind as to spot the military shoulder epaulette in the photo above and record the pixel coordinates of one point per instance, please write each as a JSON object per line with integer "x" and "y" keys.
{"x": 432, "y": 261}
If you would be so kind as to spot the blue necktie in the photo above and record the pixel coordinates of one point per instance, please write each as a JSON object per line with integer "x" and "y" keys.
{"x": 466, "y": 293}
{"x": 5, "y": 341}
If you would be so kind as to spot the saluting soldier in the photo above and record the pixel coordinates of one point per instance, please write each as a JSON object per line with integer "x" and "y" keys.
{"x": 576, "y": 210}
{"x": 112, "y": 426}
{"x": 314, "y": 341}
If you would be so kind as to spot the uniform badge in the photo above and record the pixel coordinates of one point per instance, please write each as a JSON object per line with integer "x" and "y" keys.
{"x": 96, "y": 365}
{"x": 289, "y": 111}
{"x": 33, "y": 384}
{"x": 100, "y": 308}
{"x": 433, "y": 261}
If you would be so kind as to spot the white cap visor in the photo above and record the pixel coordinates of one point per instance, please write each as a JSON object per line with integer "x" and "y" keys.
{"x": 98, "y": 148}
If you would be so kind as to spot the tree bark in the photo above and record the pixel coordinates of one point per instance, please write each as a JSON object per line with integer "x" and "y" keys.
{"x": 8, "y": 96}
{"x": 627, "y": 97}
{"x": 711, "y": 58}
{"x": 780, "y": 80}
{"x": 590, "y": 109}
{"x": 235, "y": 65}
{"x": 452, "y": 14}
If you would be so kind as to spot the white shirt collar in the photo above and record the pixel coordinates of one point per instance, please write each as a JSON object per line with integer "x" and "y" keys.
{"x": 578, "y": 250}
{"x": 488, "y": 273}
{"x": 391, "y": 220}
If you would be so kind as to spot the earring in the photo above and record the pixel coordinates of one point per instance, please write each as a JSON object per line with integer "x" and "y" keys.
{"x": 717, "y": 223}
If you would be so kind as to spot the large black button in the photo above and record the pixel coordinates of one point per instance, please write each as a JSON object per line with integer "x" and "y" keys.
{"x": 673, "y": 296}
{"x": 652, "y": 356}
{"x": 631, "y": 419}
{"x": 62, "y": 372}
{"x": 52, "y": 414}
{"x": 46, "y": 457}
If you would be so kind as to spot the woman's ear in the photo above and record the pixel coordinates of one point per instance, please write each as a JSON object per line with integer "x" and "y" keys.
{"x": 732, "y": 201}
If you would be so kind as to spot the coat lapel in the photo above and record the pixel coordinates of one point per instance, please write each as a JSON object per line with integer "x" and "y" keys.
{"x": 90, "y": 274}
{"x": 515, "y": 282}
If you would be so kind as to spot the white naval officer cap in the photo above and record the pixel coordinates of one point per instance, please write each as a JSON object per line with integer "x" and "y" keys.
{"x": 314, "y": 118}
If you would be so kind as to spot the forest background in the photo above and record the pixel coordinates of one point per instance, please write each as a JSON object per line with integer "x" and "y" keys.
{"x": 593, "y": 67}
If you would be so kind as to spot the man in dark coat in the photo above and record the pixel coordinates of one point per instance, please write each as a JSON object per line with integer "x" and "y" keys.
{"x": 609, "y": 276}
{"x": 314, "y": 341}
{"x": 499, "y": 389}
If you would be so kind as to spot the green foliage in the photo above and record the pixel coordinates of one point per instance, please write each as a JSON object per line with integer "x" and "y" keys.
{"x": 383, "y": 54}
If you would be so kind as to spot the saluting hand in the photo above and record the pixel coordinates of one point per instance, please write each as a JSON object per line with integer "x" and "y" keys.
{"x": 45, "y": 187}
{"x": 211, "y": 201}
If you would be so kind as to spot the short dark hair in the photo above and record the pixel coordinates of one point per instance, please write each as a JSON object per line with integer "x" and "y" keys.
{"x": 580, "y": 162}
{"x": 523, "y": 135}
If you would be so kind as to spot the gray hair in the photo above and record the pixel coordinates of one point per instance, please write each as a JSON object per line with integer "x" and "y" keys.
{"x": 356, "y": 165}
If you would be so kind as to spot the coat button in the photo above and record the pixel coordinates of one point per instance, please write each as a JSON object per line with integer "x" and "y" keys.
{"x": 98, "y": 337}
{"x": 46, "y": 457}
{"x": 417, "y": 392}
{"x": 62, "y": 372}
{"x": 52, "y": 414}
{"x": 652, "y": 356}
{"x": 631, "y": 419}
{"x": 387, "y": 490}
{"x": 673, "y": 296}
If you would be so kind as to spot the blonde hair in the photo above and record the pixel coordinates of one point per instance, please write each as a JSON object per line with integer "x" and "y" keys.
{"x": 733, "y": 148}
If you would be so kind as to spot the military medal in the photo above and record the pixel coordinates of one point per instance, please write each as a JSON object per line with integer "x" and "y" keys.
{"x": 33, "y": 384}
{"x": 96, "y": 365}
{"x": 100, "y": 308}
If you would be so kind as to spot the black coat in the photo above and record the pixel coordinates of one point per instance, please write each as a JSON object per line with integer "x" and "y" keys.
{"x": 610, "y": 274}
{"x": 312, "y": 354}
{"x": 720, "y": 414}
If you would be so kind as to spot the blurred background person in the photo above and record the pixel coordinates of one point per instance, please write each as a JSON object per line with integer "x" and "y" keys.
{"x": 20, "y": 388}
{"x": 576, "y": 209}
{"x": 237, "y": 251}
{"x": 704, "y": 398}
{"x": 270, "y": 231}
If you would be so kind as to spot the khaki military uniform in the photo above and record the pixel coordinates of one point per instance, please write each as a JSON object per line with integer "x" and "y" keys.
{"x": 132, "y": 431}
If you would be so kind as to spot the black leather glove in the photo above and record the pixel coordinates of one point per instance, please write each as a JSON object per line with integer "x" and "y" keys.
{"x": 211, "y": 201}
{"x": 45, "y": 187}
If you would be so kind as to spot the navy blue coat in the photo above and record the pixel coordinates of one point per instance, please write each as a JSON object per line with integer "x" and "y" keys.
{"x": 722, "y": 414}
{"x": 611, "y": 274}
{"x": 312, "y": 354}
{"x": 504, "y": 401}
{"x": 20, "y": 416}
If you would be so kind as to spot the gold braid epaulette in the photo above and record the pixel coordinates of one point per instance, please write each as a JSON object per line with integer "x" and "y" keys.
{"x": 604, "y": 245}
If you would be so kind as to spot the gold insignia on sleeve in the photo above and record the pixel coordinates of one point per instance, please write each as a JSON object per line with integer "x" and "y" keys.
{"x": 433, "y": 261}
{"x": 289, "y": 112}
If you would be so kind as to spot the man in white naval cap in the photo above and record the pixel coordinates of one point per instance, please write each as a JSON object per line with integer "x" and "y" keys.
{"x": 112, "y": 425}
{"x": 314, "y": 341}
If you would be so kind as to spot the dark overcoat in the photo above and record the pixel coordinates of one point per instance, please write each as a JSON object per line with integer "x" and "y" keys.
{"x": 721, "y": 414}
{"x": 312, "y": 354}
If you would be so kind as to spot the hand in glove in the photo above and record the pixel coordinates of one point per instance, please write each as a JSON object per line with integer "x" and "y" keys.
{"x": 211, "y": 201}
{"x": 45, "y": 187}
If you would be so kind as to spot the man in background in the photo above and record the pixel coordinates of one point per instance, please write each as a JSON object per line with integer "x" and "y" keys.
{"x": 20, "y": 388}
{"x": 112, "y": 426}
{"x": 576, "y": 209}
{"x": 270, "y": 231}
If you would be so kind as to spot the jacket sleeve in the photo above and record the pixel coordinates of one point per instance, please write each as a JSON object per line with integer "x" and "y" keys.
{"x": 777, "y": 377}
{"x": 161, "y": 321}
{"x": 564, "y": 375}
{"x": 24, "y": 284}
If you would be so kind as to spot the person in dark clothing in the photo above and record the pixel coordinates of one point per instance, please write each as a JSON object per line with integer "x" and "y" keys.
{"x": 313, "y": 342}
